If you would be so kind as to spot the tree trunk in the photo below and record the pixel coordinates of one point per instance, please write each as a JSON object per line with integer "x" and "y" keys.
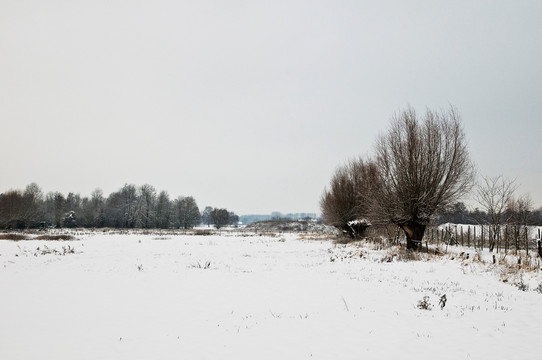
{"x": 355, "y": 230}
{"x": 414, "y": 234}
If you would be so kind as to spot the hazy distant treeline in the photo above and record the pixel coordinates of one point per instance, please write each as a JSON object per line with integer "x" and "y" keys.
{"x": 459, "y": 214}
{"x": 130, "y": 207}
{"x": 249, "y": 219}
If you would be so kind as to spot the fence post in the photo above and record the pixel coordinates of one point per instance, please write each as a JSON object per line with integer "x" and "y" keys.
{"x": 518, "y": 247}
{"x": 474, "y": 240}
{"x": 526, "y": 241}
{"x": 482, "y": 238}
{"x": 468, "y": 236}
{"x": 506, "y": 238}
{"x": 499, "y": 238}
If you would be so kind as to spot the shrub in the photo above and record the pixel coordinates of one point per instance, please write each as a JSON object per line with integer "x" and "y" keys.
{"x": 521, "y": 285}
{"x": 424, "y": 304}
{"x": 14, "y": 237}
{"x": 442, "y": 301}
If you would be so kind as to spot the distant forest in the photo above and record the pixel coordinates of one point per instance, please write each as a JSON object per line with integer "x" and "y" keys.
{"x": 130, "y": 207}
{"x": 459, "y": 214}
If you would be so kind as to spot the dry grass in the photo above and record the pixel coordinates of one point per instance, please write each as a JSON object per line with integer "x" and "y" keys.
{"x": 344, "y": 240}
{"x": 398, "y": 253}
{"x": 61, "y": 237}
{"x": 318, "y": 237}
{"x": 201, "y": 265}
{"x": 204, "y": 232}
{"x": 20, "y": 237}
{"x": 14, "y": 237}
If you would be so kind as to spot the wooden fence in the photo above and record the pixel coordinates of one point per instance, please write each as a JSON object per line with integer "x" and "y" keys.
{"x": 498, "y": 238}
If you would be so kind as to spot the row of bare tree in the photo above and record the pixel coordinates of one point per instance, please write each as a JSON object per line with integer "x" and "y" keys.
{"x": 513, "y": 215}
{"x": 421, "y": 166}
{"x": 496, "y": 196}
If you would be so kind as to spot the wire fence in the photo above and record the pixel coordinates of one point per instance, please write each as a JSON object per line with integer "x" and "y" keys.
{"x": 500, "y": 238}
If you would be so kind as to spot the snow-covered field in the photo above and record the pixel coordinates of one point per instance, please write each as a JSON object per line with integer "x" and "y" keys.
{"x": 254, "y": 297}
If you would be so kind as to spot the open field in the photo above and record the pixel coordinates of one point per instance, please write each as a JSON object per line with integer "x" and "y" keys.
{"x": 243, "y": 296}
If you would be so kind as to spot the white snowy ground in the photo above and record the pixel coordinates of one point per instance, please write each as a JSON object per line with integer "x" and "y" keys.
{"x": 253, "y": 297}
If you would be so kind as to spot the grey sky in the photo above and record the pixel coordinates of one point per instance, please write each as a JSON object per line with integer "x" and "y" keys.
{"x": 251, "y": 105}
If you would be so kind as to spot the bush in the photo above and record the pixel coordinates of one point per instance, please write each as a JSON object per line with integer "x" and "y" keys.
{"x": 424, "y": 304}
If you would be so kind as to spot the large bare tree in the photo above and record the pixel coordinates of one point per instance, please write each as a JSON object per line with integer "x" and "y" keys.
{"x": 424, "y": 166}
{"x": 344, "y": 205}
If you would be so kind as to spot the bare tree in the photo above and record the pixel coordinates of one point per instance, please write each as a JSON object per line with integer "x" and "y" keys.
{"x": 524, "y": 207}
{"x": 187, "y": 212}
{"x": 344, "y": 205}
{"x": 206, "y": 215}
{"x": 163, "y": 210}
{"x": 129, "y": 205}
{"x": 424, "y": 166}
{"x": 233, "y": 219}
{"x": 518, "y": 214}
{"x": 55, "y": 204}
{"x": 97, "y": 203}
{"x": 33, "y": 209}
{"x": 220, "y": 217}
{"x": 494, "y": 194}
{"x": 146, "y": 216}
{"x": 12, "y": 210}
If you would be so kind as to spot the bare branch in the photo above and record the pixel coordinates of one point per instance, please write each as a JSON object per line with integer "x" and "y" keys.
{"x": 424, "y": 165}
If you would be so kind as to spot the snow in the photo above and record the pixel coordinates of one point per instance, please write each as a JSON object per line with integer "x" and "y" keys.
{"x": 135, "y": 296}
{"x": 359, "y": 222}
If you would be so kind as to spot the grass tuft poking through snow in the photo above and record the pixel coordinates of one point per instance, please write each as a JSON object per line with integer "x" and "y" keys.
{"x": 424, "y": 304}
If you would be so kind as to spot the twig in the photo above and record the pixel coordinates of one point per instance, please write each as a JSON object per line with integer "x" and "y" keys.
{"x": 345, "y": 304}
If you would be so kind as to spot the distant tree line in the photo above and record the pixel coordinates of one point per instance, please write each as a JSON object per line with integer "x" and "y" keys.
{"x": 274, "y": 216}
{"x": 458, "y": 213}
{"x": 130, "y": 207}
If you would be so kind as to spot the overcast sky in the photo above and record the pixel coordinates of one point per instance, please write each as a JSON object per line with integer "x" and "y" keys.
{"x": 251, "y": 105}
